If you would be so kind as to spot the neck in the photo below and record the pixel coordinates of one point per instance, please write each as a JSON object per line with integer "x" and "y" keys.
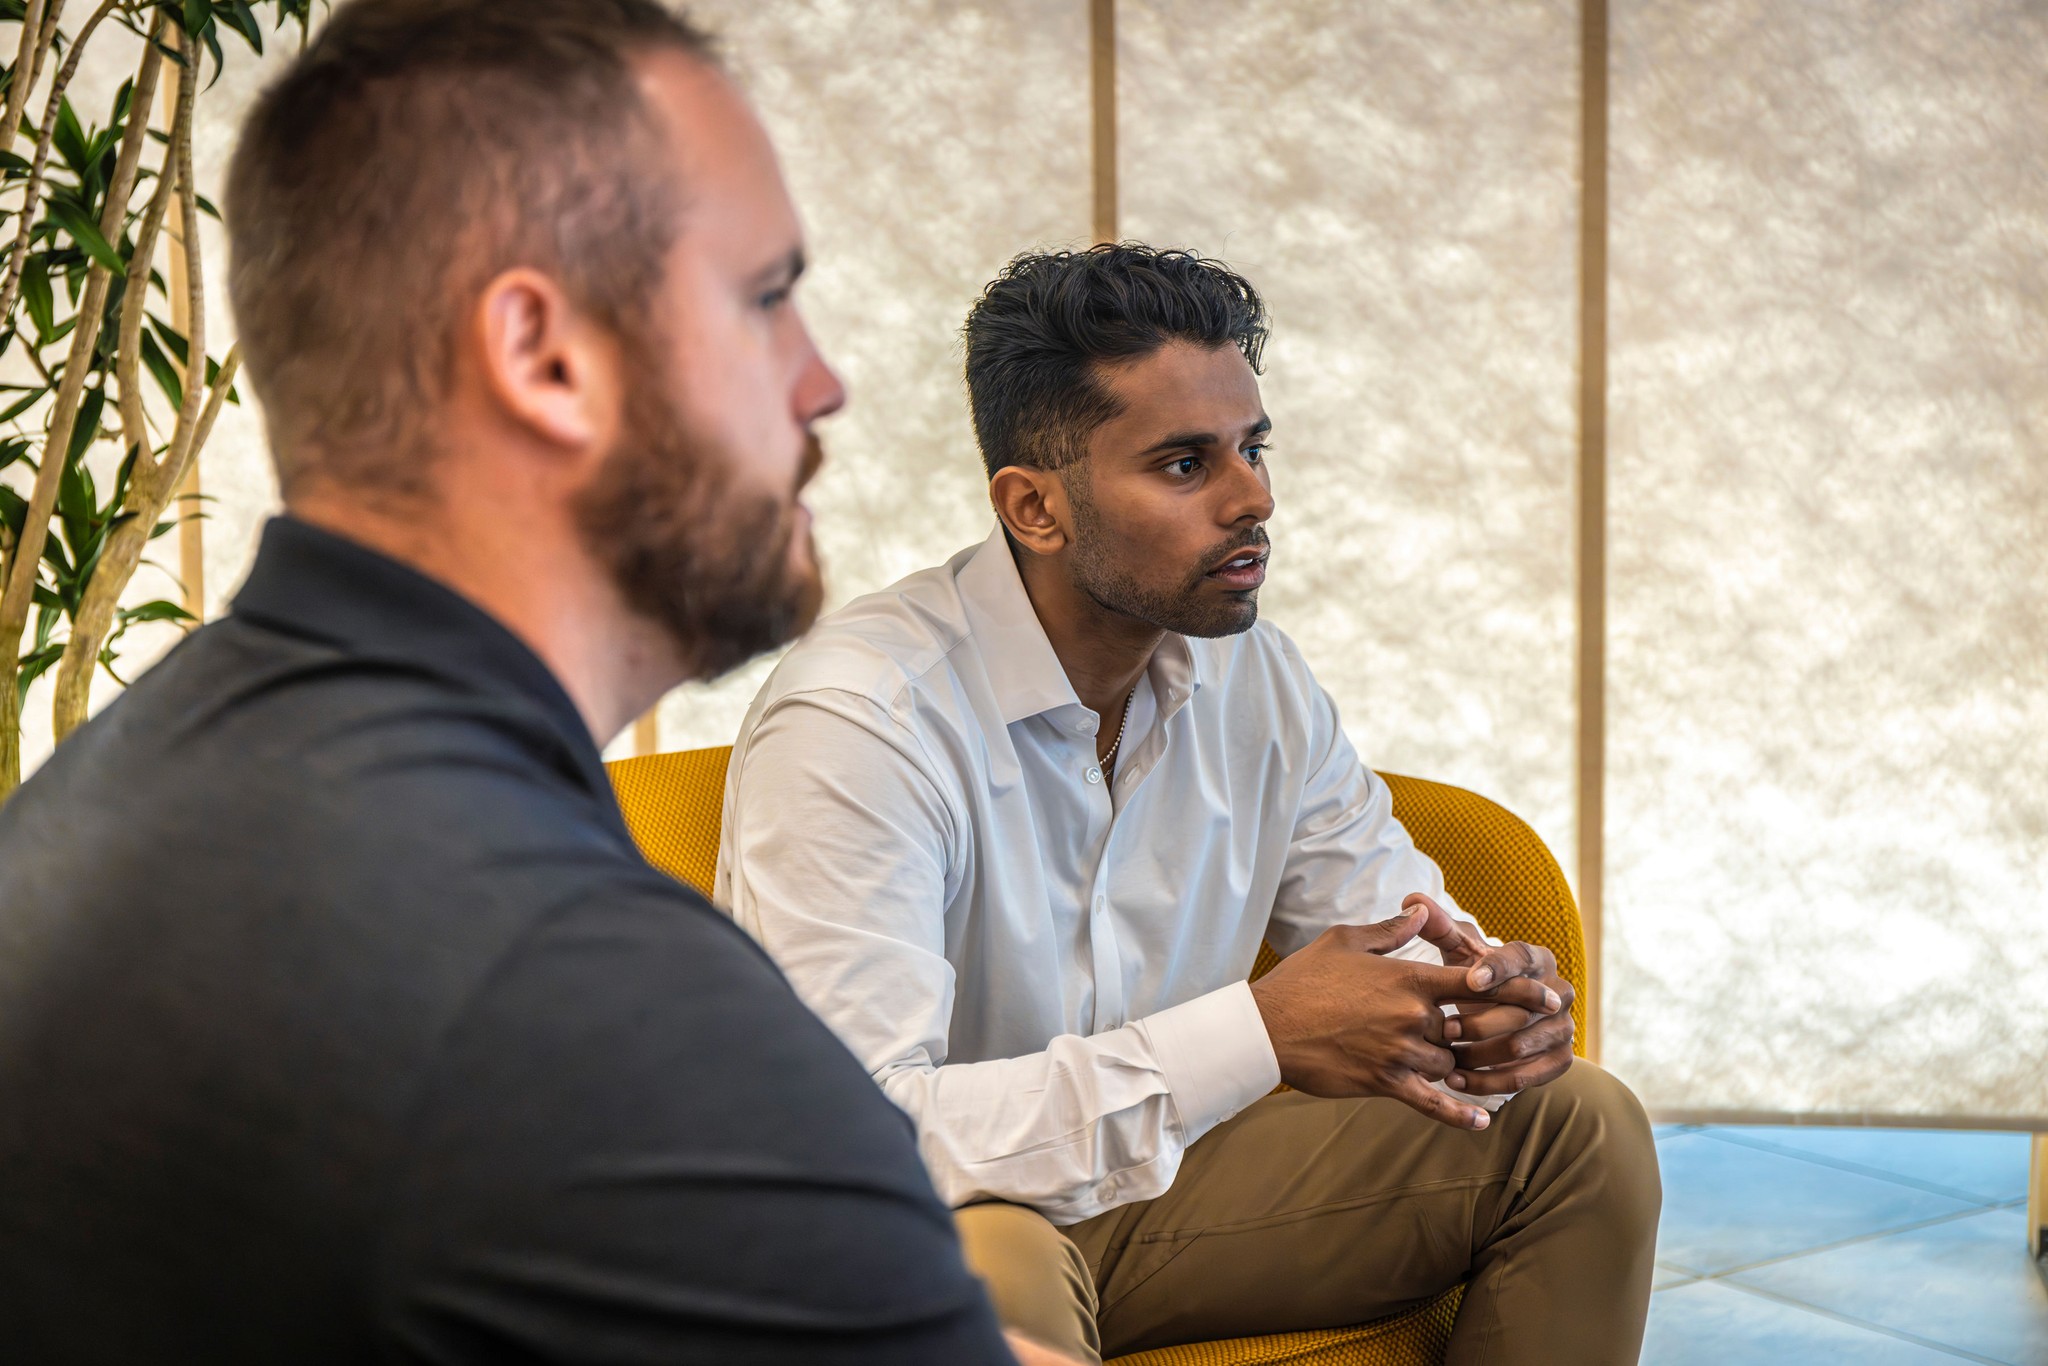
{"x": 536, "y": 580}
{"x": 1103, "y": 652}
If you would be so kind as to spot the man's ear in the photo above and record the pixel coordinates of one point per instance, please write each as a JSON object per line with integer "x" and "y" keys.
{"x": 544, "y": 365}
{"x": 1032, "y": 504}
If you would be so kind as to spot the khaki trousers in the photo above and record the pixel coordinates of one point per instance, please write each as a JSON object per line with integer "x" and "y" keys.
{"x": 1309, "y": 1213}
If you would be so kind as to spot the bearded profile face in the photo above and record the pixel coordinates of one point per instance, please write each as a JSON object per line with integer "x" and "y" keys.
{"x": 729, "y": 571}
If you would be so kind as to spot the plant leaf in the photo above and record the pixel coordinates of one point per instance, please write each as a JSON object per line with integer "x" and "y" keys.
{"x": 238, "y": 16}
{"x": 33, "y": 667}
{"x": 22, "y": 404}
{"x": 160, "y": 610}
{"x": 87, "y": 234}
{"x": 162, "y": 371}
{"x": 69, "y": 138}
{"x": 35, "y": 292}
{"x": 88, "y": 429}
{"x": 13, "y": 511}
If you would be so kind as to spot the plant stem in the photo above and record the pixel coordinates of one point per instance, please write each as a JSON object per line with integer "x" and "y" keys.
{"x": 17, "y": 592}
{"x": 28, "y": 64}
{"x": 152, "y": 481}
{"x": 117, "y": 564}
{"x": 46, "y": 136}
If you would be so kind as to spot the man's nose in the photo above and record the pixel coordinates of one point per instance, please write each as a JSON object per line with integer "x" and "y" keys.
{"x": 819, "y": 390}
{"x": 1248, "y": 496}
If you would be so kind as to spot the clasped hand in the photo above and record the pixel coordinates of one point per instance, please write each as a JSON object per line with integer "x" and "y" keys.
{"x": 1346, "y": 1020}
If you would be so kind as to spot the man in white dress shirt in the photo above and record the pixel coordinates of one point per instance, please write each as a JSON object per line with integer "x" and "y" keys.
{"x": 1016, "y": 826}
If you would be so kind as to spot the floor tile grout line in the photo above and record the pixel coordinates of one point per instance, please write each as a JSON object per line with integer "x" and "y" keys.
{"x": 1835, "y": 1246}
{"x": 1854, "y": 1168}
{"x": 1945, "y": 1347}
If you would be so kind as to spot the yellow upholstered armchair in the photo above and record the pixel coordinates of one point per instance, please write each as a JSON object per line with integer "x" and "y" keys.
{"x": 1494, "y": 865}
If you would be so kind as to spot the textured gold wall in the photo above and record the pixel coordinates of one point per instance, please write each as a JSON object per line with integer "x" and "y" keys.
{"x": 1400, "y": 179}
{"x": 1828, "y": 747}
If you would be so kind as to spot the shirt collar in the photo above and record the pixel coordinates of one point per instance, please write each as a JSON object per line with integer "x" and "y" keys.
{"x": 1026, "y": 674}
{"x": 312, "y": 583}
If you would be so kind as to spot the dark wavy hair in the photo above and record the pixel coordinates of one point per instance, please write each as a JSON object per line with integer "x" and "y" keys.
{"x": 1039, "y": 333}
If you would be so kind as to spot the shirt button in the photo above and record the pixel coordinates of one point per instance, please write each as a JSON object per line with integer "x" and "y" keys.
{"x": 1094, "y": 775}
{"x": 1107, "y": 1189}
{"x": 1090, "y": 726}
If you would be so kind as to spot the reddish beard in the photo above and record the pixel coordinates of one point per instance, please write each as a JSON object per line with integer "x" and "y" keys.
{"x": 691, "y": 547}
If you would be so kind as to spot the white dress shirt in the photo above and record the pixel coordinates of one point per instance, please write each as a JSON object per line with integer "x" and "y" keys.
{"x": 1046, "y": 967}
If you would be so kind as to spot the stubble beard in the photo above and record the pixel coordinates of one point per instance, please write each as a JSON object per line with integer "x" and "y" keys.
{"x": 689, "y": 547}
{"x": 1113, "y": 587}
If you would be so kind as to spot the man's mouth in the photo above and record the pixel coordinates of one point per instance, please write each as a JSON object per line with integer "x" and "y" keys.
{"x": 1242, "y": 571}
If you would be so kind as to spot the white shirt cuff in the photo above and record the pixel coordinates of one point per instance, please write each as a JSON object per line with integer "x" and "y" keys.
{"x": 1215, "y": 1055}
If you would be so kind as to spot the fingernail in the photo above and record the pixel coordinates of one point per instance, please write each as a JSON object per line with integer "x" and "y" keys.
{"x": 1452, "y": 1029}
{"x": 1480, "y": 1119}
{"x": 1482, "y": 978}
{"x": 1457, "y": 1082}
{"x": 1550, "y": 999}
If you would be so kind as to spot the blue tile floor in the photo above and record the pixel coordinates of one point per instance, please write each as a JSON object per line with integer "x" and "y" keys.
{"x": 1869, "y": 1246}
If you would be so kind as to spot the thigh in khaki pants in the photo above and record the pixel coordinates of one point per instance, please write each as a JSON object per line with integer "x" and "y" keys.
{"x": 1308, "y": 1213}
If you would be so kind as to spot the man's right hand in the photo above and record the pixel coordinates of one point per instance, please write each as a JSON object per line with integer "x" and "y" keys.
{"x": 1346, "y": 1020}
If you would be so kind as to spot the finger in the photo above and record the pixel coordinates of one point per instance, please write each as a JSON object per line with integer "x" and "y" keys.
{"x": 1550, "y": 1032}
{"x": 1488, "y": 1022}
{"x": 1499, "y": 1081}
{"x": 1534, "y": 997}
{"x": 1381, "y": 936}
{"x": 1500, "y": 962}
{"x": 1433, "y": 1063}
{"x": 1452, "y": 937}
{"x": 1420, "y": 1096}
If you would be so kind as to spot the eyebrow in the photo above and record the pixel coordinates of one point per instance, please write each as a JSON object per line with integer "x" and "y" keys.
{"x": 1182, "y": 440}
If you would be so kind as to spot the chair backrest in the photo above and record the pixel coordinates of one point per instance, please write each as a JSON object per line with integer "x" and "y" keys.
{"x": 1494, "y": 864}
{"x": 674, "y": 805}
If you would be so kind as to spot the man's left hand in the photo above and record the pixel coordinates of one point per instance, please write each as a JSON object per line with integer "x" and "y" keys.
{"x": 1499, "y": 1048}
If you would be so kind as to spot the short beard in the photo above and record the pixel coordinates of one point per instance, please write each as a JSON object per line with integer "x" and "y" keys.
{"x": 1100, "y": 574}
{"x": 705, "y": 560}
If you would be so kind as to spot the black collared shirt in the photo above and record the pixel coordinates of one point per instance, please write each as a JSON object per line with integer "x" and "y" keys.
{"x": 340, "y": 1020}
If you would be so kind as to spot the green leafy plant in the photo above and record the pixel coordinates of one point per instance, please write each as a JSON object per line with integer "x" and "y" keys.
{"x": 85, "y": 209}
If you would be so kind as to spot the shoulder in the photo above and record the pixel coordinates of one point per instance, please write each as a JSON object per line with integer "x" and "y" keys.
{"x": 888, "y": 648}
{"x": 638, "y": 1072}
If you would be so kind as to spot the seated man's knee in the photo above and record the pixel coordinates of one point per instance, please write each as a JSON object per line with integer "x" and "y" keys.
{"x": 1601, "y": 1119}
{"x": 1037, "y": 1279}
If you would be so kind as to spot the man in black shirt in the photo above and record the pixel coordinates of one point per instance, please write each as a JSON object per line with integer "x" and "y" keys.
{"x": 339, "y": 1018}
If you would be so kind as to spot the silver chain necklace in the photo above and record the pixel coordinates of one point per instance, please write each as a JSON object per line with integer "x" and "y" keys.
{"x": 1109, "y": 759}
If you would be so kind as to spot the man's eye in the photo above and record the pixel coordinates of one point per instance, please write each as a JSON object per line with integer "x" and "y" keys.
{"x": 1255, "y": 454}
{"x": 1186, "y": 465}
{"x": 774, "y": 299}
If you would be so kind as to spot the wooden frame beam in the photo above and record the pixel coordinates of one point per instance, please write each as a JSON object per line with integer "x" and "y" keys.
{"x": 1592, "y": 504}
{"x": 1102, "y": 111}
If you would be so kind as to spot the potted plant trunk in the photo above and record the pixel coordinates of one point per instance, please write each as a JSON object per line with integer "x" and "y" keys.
{"x": 101, "y": 350}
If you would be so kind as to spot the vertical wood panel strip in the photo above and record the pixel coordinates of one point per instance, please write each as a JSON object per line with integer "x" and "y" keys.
{"x": 1102, "y": 89}
{"x": 2037, "y": 1203}
{"x": 1592, "y": 509}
